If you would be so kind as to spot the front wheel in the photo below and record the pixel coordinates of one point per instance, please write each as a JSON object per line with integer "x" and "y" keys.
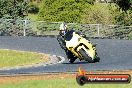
{"x": 85, "y": 56}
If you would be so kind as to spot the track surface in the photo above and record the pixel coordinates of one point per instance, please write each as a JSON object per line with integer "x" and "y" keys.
{"x": 114, "y": 54}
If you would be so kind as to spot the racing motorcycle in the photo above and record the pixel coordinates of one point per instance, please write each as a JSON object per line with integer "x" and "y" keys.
{"x": 77, "y": 46}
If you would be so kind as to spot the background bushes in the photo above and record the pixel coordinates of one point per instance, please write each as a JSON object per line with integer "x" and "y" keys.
{"x": 84, "y": 11}
{"x": 63, "y": 10}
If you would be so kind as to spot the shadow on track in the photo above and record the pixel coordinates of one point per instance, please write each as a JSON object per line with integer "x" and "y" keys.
{"x": 84, "y": 62}
{"x": 79, "y": 62}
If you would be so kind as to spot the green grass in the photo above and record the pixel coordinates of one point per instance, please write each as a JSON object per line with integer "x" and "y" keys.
{"x": 14, "y": 58}
{"x": 59, "y": 83}
{"x": 33, "y": 17}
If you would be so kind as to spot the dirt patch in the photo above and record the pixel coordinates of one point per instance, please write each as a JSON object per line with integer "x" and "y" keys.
{"x": 13, "y": 79}
{"x": 111, "y": 72}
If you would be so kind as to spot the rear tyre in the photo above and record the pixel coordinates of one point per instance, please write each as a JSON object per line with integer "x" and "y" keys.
{"x": 85, "y": 56}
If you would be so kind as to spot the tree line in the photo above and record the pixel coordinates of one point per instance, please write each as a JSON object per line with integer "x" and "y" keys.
{"x": 78, "y": 11}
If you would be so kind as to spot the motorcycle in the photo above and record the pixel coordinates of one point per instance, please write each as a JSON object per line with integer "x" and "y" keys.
{"x": 77, "y": 46}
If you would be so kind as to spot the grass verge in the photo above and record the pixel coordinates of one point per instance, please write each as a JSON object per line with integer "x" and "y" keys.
{"x": 9, "y": 58}
{"x": 51, "y": 81}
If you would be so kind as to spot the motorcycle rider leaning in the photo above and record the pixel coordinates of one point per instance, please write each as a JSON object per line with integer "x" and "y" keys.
{"x": 61, "y": 40}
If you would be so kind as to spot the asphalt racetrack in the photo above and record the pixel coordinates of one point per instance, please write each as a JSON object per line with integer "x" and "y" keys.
{"x": 115, "y": 54}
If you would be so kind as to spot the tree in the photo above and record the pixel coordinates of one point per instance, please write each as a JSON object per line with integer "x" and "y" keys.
{"x": 125, "y": 15}
{"x": 98, "y": 14}
{"x": 63, "y": 10}
{"x": 123, "y": 4}
{"x": 12, "y": 8}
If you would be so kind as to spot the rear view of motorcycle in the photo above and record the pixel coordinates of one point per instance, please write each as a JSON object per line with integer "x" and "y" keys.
{"x": 77, "y": 46}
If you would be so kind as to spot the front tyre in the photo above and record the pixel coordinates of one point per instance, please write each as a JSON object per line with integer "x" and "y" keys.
{"x": 97, "y": 59}
{"x": 85, "y": 56}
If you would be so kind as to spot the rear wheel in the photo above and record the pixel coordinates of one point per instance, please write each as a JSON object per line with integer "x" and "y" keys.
{"x": 85, "y": 56}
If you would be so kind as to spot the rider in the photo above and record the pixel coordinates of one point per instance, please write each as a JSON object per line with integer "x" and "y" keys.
{"x": 61, "y": 39}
